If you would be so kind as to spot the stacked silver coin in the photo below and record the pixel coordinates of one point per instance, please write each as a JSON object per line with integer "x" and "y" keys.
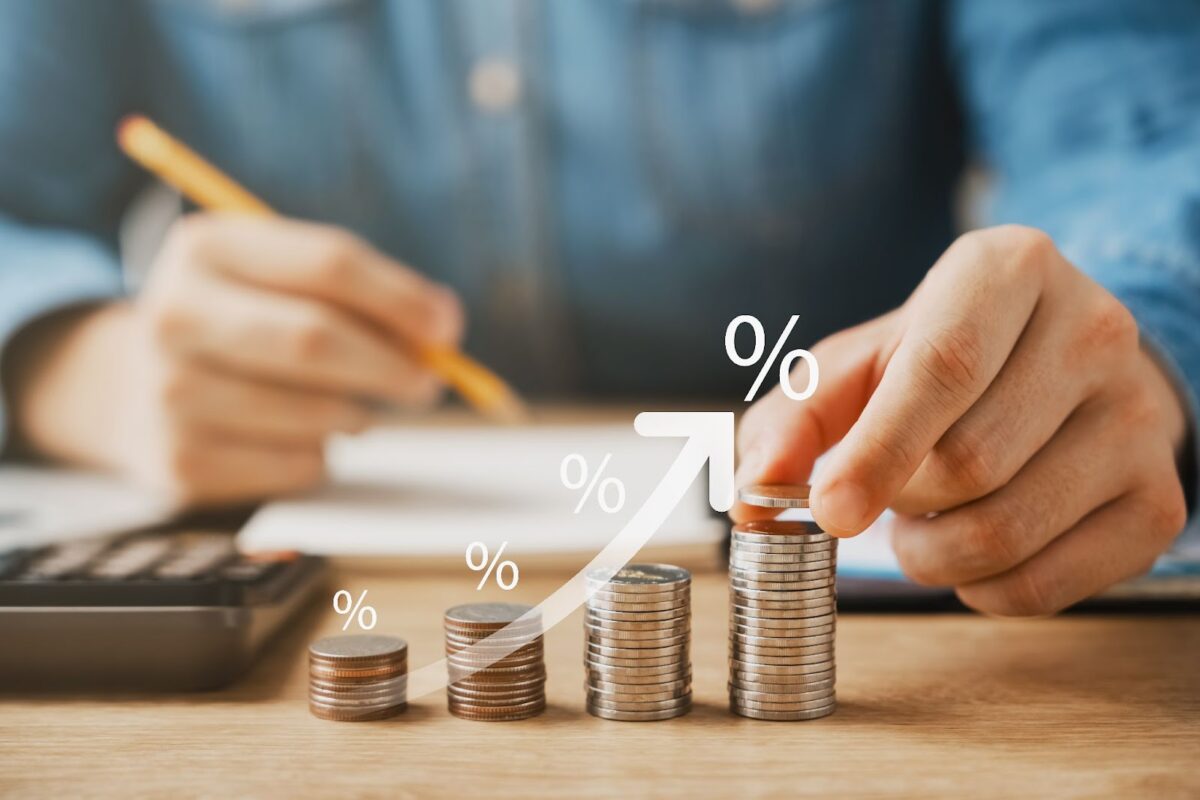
{"x": 357, "y": 678}
{"x": 495, "y": 660}
{"x": 783, "y": 613}
{"x": 638, "y": 625}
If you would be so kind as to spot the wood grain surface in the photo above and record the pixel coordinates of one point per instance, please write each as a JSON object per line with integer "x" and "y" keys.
{"x": 930, "y": 706}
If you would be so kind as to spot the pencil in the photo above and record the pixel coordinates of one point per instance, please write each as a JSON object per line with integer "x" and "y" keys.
{"x": 208, "y": 187}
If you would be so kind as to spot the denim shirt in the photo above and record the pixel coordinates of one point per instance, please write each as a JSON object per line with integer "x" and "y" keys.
{"x": 608, "y": 182}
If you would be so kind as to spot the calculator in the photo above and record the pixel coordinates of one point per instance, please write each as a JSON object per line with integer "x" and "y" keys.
{"x": 157, "y": 610}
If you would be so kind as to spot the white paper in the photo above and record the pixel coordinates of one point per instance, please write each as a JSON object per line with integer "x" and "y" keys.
{"x": 435, "y": 490}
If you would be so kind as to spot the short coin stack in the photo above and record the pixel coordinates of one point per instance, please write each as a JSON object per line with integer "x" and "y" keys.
{"x": 783, "y": 611}
{"x": 511, "y": 687}
{"x": 357, "y": 678}
{"x": 638, "y": 625}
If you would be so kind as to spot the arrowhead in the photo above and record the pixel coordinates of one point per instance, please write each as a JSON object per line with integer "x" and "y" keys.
{"x": 710, "y": 438}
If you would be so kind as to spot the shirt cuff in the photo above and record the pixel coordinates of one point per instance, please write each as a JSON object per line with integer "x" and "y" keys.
{"x": 44, "y": 270}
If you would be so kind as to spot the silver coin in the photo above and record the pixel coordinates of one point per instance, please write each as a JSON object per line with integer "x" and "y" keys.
{"x": 669, "y": 684}
{"x": 640, "y": 577}
{"x": 599, "y": 701}
{"x": 474, "y": 614}
{"x": 762, "y": 628}
{"x": 603, "y": 595}
{"x": 654, "y": 643}
{"x": 826, "y": 683}
{"x": 638, "y": 716}
{"x": 755, "y": 612}
{"x": 798, "y": 572}
{"x": 823, "y": 558}
{"x": 783, "y": 651}
{"x": 755, "y": 620}
{"x": 611, "y": 651}
{"x": 594, "y": 660}
{"x": 617, "y": 674}
{"x": 678, "y": 623}
{"x": 763, "y": 546}
{"x": 787, "y": 586}
{"x": 762, "y": 670}
{"x": 775, "y": 495}
{"x": 679, "y": 684}
{"x": 786, "y": 707}
{"x": 494, "y": 642}
{"x": 744, "y": 677}
{"x": 780, "y": 531}
{"x": 670, "y": 605}
{"x": 601, "y": 614}
{"x": 781, "y": 661}
{"x": 624, "y": 699}
{"x": 682, "y": 673}
{"x": 791, "y": 716}
{"x": 819, "y": 598}
{"x": 641, "y": 636}
{"x": 387, "y": 698}
{"x": 755, "y": 640}
{"x": 752, "y": 597}
{"x": 745, "y": 695}
{"x": 359, "y": 646}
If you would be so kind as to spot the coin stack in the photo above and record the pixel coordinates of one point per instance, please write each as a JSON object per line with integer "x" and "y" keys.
{"x": 638, "y": 625}
{"x": 497, "y": 669}
{"x": 357, "y": 678}
{"x": 783, "y": 611}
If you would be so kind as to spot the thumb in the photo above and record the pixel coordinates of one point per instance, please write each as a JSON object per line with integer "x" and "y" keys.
{"x": 780, "y": 439}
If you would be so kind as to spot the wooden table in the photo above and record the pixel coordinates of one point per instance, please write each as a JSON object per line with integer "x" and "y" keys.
{"x": 954, "y": 705}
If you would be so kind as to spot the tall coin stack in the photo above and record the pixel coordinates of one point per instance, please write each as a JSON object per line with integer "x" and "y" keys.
{"x": 783, "y": 612}
{"x": 638, "y": 626}
{"x": 357, "y": 678}
{"x": 510, "y": 688}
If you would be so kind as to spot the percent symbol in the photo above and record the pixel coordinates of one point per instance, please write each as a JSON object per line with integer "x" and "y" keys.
{"x": 496, "y": 564}
{"x": 346, "y": 606}
{"x": 604, "y": 489}
{"x": 785, "y": 365}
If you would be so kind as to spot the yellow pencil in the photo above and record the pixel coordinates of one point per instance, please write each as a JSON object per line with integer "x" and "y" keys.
{"x": 208, "y": 187}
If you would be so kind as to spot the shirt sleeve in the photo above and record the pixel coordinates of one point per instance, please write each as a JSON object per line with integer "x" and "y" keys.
{"x": 64, "y": 83}
{"x": 1087, "y": 112}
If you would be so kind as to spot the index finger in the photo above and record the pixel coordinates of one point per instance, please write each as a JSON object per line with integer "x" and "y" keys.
{"x": 330, "y": 264}
{"x": 963, "y": 321}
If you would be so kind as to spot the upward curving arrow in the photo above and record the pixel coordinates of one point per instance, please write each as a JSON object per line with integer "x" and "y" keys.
{"x": 709, "y": 440}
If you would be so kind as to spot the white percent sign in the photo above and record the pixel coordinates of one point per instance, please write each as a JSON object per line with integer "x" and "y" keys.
{"x": 785, "y": 365}
{"x": 344, "y": 605}
{"x": 608, "y": 487}
{"x": 496, "y": 564}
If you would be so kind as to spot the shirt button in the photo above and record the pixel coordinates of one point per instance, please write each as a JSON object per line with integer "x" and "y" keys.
{"x": 495, "y": 85}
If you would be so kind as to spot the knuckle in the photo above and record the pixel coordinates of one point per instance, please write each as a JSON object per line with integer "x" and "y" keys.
{"x": 964, "y": 464}
{"x": 1108, "y": 325}
{"x": 889, "y": 449}
{"x": 313, "y": 337}
{"x": 991, "y": 540}
{"x": 339, "y": 255}
{"x": 953, "y": 361}
{"x": 1167, "y": 512}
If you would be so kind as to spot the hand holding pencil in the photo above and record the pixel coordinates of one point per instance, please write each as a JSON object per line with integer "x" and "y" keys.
{"x": 254, "y": 339}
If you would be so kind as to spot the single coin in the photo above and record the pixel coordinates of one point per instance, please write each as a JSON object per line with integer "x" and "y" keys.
{"x": 642, "y": 635}
{"x": 790, "y": 565}
{"x": 342, "y": 686}
{"x": 637, "y": 716}
{"x": 468, "y": 658}
{"x": 618, "y": 673}
{"x": 744, "y": 677}
{"x": 356, "y": 648}
{"x": 487, "y": 714}
{"x": 611, "y": 651}
{"x": 622, "y": 699}
{"x": 677, "y": 606}
{"x": 639, "y": 577}
{"x": 356, "y": 676}
{"x": 822, "y": 598}
{"x": 654, "y": 643}
{"x": 790, "y": 623}
{"x": 762, "y": 545}
{"x": 678, "y": 686}
{"x": 781, "y": 575}
{"x": 824, "y": 584}
{"x": 805, "y": 571}
{"x": 600, "y": 615}
{"x": 498, "y": 648}
{"x": 600, "y": 701}
{"x": 789, "y": 636}
{"x": 828, "y": 556}
{"x": 351, "y": 703}
{"x": 342, "y": 715}
{"x": 810, "y": 640}
{"x": 677, "y": 624}
{"x": 780, "y": 661}
{"x": 825, "y": 684}
{"x": 784, "y": 708}
{"x": 525, "y": 633}
{"x": 781, "y": 650}
{"x": 595, "y": 660}
{"x": 780, "y": 531}
{"x": 775, "y": 495}
{"x": 754, "y": 596}
{"x": 806, "y": 612}
{"x": 760, "y": 670}
{"x": 488, "y": 615}
{"x": 468, "y": 687}
{"x": 791, "y": 716}
{"x": 680, "y": 592}
{"x": 496, "y": 701}
{"x": 742, "y": 695}
{"x": 628, "y": 684}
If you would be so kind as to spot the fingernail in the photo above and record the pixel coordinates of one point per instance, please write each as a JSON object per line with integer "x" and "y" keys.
{"x": 842, "y": 508}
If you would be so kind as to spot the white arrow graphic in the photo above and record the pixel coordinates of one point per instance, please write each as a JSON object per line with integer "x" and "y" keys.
{"x": 709, "y": 439}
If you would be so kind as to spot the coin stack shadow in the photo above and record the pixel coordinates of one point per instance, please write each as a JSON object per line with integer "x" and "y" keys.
{"x": 782, "y": 621}
{"x": 357, "y": 677}
{"x": 510, "y": 688}
{"x": 638, "y": 626}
